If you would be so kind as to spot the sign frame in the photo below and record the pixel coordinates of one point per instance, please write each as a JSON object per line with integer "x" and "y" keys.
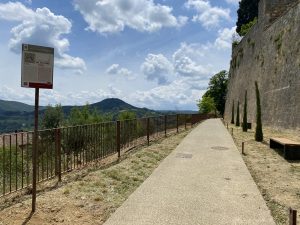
{"x": 37, "y": 66}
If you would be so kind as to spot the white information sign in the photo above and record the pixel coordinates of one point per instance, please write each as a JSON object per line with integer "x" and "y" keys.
{"x": 37, "y": 66}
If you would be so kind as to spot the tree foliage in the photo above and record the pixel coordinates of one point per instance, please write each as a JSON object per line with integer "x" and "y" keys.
{"x": 206, "y": 105}
{"x": 248, "y": 10}
{"x": 237, "y": 121}
{"x": 246, "y": 27}
{"x": 127, "y": 115}
{"x": 232, "y": 113}
{"x": 217, "y": 90}
{"x": 245, "y": 122}
{"x": 86, "y": 115}
{"x": 53, "y": 117}
{"x": 258, "y": 132}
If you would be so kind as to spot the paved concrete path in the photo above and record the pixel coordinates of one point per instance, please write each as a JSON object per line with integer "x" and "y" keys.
{"x": 197, "y": 184}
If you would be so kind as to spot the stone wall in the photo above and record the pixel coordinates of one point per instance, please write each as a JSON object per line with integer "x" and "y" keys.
{"x": 269, "y": 55}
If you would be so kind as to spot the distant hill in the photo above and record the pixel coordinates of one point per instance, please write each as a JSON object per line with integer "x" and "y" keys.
{"x": 12, "y": 106}
{"x": 18, "y": 116}
{"x": 114, "y": 106}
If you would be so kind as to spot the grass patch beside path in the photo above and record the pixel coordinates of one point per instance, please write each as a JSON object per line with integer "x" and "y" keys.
{"x": 277, "y": 179}
{"x": 94, "y": 194}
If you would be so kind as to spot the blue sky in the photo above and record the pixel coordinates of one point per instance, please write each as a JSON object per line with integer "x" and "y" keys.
{"x": 158, "y": 54}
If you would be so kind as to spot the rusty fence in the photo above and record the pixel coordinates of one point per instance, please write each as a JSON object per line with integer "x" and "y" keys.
{"x": 63, "y": 149}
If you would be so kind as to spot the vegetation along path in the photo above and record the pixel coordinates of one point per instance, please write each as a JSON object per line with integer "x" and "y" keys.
{"x": 93, "y": 193}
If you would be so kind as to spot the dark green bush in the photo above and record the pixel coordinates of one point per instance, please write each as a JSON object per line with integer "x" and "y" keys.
{"x": 258, "y": 132}
{"x": 245, "y": 123}
{"x": 232, "y": 112}
{"x": 237, "y": 123}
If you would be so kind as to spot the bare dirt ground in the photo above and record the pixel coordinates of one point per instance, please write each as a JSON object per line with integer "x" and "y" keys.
{"x": 277, "y": 179}
{"x": 90, "y": 195}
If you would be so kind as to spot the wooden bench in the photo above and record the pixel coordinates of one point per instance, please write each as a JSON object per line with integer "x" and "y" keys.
{"x": 291, "y": 149}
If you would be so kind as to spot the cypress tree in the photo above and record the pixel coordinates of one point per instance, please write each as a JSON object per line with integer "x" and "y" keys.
{"x": 237, "y": 123}
{"x": 258, "y": 132}
{"x": 245, "y": 123}
{"x": 232, "y": 113}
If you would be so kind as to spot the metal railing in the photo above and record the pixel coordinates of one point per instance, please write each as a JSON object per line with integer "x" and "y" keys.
{"x": 64, "y": 149}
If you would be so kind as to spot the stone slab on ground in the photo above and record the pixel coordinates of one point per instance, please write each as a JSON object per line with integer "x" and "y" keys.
{"x": 203, "y": 181}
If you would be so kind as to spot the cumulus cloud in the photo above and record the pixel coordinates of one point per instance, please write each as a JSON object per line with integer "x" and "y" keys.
{"x": 157, "y": 68}
{"x": 112, "y": 16}
{"x": 41, "y": 27}
{"x": 225, "y": 37}
{"x": 176, "y": 95}
{"x": 116, "y": 69}
{"x": 209, "y": 16}
{"x": 184, "y": 62}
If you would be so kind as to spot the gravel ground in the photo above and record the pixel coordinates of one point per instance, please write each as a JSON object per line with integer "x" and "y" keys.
{"x": 278, "y": 179}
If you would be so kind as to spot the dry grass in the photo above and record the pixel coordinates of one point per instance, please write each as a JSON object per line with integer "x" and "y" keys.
{"x": 277, "y": 179}
{"x": 89, "y": 196}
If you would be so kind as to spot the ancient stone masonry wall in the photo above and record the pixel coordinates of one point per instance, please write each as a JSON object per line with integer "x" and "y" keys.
{"x": 270, "y": 56}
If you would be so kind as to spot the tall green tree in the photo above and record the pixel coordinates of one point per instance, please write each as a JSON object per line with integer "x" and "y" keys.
{"x": 248, "y": 10}
{"x": 53, "y": 117}
{"x": 206, "y": 105}
{"x": 217, "y": 89}
{"x": 258, "y": 131}
{"x": 85, "y": 115}
{"x": 237, "y": 122}
{"x": 232, "y": 113}
{"x": 127, "y": 115}
{"x": 245, "y": 122}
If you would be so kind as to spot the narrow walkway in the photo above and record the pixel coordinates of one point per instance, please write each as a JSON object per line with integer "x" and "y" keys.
{"x": 203, "y": 181}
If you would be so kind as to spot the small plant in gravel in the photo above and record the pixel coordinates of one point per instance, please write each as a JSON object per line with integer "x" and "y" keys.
{"x": 245, "y": 123}
{"x": 232, "y": 113}
{"x": 258, "y": 132}
{"x": 237, "y": 122}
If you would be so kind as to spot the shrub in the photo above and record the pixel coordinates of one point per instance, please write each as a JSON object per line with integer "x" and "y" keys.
{"x": 232, "y": 113}
{"x": 245, "y": 123}
{"x": 237, "y": 123}
{"x": 258, "y": 132}
{"x": 246, "y": 27}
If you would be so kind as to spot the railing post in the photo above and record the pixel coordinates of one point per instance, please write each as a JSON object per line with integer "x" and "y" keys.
{"x": 58, "y": 153}
{"x": 118, "y": 134}
{"x": 177, "y": 121}
{"x": 292, "y": 216}
{"x": 148, "y": 131}
{"x": 165, "y": 125}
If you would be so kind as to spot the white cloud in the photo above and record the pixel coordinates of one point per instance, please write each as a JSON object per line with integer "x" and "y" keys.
{"x": 176, "y": 95}
{"x": 116, "y": 69}
{"x": 41, "y": 27}
{"x": 209, "y": 16}
{"x": 185, "y": 64}
{"x": 157, "y": 68}
{"x": 225, "y": 38}
{"x": 112, "y": 16}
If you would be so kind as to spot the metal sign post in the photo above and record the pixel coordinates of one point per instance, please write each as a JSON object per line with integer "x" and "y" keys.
{"x": 36, "y": 72}
{"x": 34, "y": 149}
